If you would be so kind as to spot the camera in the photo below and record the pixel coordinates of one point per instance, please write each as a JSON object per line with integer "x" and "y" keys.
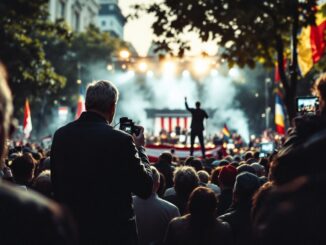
{"x": 307, "y": 105}
{"x": 128, "y": 126}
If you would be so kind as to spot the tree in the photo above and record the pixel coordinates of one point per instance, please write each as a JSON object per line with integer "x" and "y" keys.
{"x": 249, "y": 31}
{"x": 24, "y": 25}
{"x": 75, "y": 60}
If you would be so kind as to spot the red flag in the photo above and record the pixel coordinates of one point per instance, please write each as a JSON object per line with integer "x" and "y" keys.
{"x": 80, "y": 106}
{"x": 27, "y": 125}
{"x": 312, "y": 43}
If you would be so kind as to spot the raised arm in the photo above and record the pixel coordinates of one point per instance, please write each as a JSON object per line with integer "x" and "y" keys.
{"x": 205, "y": 114}
{"x": 186, "y": 104}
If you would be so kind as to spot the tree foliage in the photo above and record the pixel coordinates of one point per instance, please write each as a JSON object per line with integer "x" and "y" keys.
{"x": 248, "y": 31}
{"x": 45, "y": 59}
{"x": 24, "y": 26}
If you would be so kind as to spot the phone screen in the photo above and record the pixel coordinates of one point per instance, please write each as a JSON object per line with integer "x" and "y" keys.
{"x": 307, "y": 105}
{"x": 267, "y": 147}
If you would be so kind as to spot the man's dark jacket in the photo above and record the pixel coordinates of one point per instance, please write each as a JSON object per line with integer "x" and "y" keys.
{"x": 198, "y": 116}
{"x": 95, "y": 168}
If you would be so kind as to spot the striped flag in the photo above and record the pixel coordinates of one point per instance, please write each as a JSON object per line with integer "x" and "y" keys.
{"x": 311, "y": 45}
{"x": 80, "y": 104}
{"x": 226, "y": 132}
{"x": 279, "y": 115}
{"x": 27, "y": 125}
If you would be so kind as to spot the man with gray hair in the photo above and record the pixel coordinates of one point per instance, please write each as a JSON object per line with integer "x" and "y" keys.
{"x": 87, "y": 156}
{"x": 153, "y": 215}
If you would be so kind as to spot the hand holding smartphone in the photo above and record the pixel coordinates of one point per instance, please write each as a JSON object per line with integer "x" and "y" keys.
{"x": 307, "y": 105}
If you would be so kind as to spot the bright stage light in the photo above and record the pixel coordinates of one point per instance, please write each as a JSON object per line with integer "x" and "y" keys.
{"x": 142, "y": 66}
{"x": 169, "y": 68}
{"x": 130, "y": 74}
{"x": 201, "y": 66}
{"x": 186, "y": 73}
{"x": 234, "y": 73}
{"x": 214, "y": 72}
{"x": 109, "y": 67}
{"x": 150, "y": 74}
{"x": 124, "y": 54}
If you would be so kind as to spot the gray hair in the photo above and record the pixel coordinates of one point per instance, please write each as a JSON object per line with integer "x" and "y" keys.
{"x": 6, "y": 109}
{"x": 155, "y": 175}
{"x": 100, "y": 95}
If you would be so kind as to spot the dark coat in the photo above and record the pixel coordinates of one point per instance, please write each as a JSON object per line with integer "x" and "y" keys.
{"x": 183, "y": 231}
{"x": 198, "y": 116}
{"x": 225, "y": 201}
{"x": 95, "y": 168}
{"x": 29, "y": 218}
{"x": 240, "y": 221}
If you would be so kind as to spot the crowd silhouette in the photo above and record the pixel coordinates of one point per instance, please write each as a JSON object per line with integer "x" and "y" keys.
{"x": 97, "y": 186}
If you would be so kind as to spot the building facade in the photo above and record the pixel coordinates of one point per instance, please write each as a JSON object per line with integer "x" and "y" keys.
{"x": 110, "y": 18}
{"x": 79, "y": 14}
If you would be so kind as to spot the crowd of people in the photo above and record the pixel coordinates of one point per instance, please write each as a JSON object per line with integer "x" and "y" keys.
{"x": 96, "y": 185}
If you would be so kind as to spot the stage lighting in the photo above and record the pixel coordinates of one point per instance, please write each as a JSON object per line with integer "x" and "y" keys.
{"x": 169, "y": 67}
{"x": 109, "y": 67}
{"x": 201, "y": 66}
{"x": 130, "y": 74}
{"x": 234, "y": 73}
{"x": 150, "y": 74}
{"x": 214, "y": 72}
{"x": 142, "y": 66}
{"x": 185, "y": 73}
{"x": 124, "y": 54}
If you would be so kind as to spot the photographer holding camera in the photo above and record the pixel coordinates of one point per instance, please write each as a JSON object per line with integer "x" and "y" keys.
{"x": 95, "y": 168}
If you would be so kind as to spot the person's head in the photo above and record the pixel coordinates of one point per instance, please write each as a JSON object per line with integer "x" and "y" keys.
{"x": 23, "y": 169}
{"x": 197, "y": 104}
{"x": 6, "y": 110}
{"x": 196, "y": 164}
{"x": 156, "y": 179}
{"x": 246, "y": 184}
{"x": 214, "y": 175}
{"x": 203, "y": 176}
{"x": 260, "y": 170}
{"x": 202, "y": 204}
{"x": 102, "y": 97}
{"x": 165, "y": 157}
{"x": 42, "y": 183}
{"x": 188, "y": 160}
{"x": 226, "y": 177}
{"x": 319, "y": 90}
{"x": 185, "y": 180}
{"x": 246, "y": 168}
{"x": 248, "y": 155}
{"x": 293, "y": 213}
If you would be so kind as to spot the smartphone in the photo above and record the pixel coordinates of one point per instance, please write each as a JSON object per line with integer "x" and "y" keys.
{"x": 267, "y": 148}
{"x": 307, "y": 105}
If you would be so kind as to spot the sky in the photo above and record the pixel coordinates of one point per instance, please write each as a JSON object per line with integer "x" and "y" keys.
{"x": 140, "y": 34}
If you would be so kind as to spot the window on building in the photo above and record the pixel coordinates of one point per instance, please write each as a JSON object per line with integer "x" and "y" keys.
{"x": 111, "y": 7}
{"x": 103, "y": 23}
